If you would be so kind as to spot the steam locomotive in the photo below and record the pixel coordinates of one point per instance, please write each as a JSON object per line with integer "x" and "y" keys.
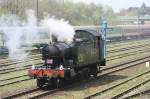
{"x": 64, "y": 62}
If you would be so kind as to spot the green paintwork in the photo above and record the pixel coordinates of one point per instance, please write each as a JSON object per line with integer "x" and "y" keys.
{"x": 89, "y": 52}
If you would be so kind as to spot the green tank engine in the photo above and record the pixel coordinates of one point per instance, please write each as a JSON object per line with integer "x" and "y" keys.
{"x": 64, "y": 62}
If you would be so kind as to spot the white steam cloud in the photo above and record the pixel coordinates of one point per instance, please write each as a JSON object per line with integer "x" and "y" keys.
{"x": 19, "y": 32}
{"x": 60, "y": 28}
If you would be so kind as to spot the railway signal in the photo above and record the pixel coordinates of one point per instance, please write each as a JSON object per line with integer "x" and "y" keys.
{"x": 105, "y": 37}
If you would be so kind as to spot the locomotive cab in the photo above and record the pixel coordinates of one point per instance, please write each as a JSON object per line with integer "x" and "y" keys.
{"x": 90, "y": 48}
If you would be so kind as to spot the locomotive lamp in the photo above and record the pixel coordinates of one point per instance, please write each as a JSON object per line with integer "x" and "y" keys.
{"x": 33, "y": 67}
{"x": 61, "y": 67}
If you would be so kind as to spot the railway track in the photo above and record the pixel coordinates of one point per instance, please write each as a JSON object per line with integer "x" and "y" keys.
{"x": 15, "y": 82}
{"x": 117, "y": 44}
{"x": 127, "y": 48}
{"x": 144, "y": 92}
{"x": 9, "y": 62}
{"x": 106, "y": 71}
{"x": 124, "y": 82}
{"x": 119, "y": 95}
{"x": 12, "y": 69}
{"x": 27, "y": 67}
{"x": 114, "y": 57}
{"x": 131, "y": 89}
{"x": 6, "y": 63}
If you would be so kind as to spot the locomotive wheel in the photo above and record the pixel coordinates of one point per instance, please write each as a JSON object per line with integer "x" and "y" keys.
{"x": 40, "y": 83}
{"x": 94, "y": 70}
{"x": 87, "y": 74}
{"x": 56, "y": 82}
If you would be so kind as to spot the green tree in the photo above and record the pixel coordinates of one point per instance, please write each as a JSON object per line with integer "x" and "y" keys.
{"x": 75, "y": 13}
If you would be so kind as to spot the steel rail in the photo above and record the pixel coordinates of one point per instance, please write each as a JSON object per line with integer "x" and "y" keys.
{"x": 114, "y": 86}
{"x": 113, "y": 71}
{"x": 137, "y": 94}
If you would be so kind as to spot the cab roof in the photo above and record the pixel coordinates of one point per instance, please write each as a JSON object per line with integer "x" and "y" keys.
{"x": 92, "y": 32}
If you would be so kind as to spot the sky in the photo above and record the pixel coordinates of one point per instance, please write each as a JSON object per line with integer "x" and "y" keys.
{"x": 117, "y": 4}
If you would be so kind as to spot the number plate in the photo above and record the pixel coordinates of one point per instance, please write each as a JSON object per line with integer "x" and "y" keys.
{"x": 49, "y": 61}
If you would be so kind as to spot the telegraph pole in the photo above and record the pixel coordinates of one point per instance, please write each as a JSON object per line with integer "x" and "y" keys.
{"x": 37, "y": 7}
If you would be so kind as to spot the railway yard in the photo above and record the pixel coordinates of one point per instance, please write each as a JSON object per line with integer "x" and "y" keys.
{"x": 74, "y": 49}
{"x": 126, "y": 76}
